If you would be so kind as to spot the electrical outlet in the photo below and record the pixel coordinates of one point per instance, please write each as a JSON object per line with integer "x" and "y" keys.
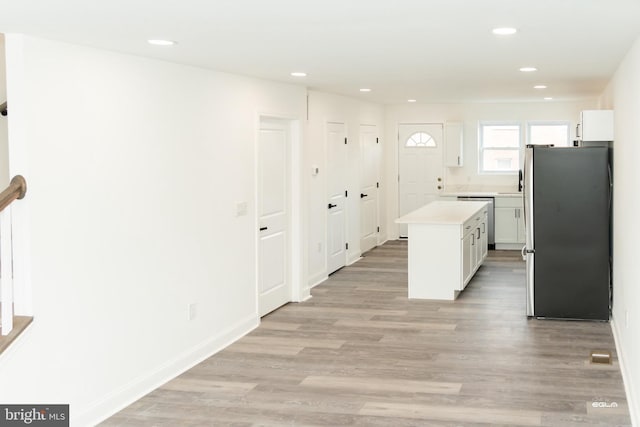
{"x": 191, "y": 311}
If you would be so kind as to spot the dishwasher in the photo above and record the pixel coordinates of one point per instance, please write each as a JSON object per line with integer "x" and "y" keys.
{"x": 491, "y": 217}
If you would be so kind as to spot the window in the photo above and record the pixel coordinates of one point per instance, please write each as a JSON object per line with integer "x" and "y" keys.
{"x": 499, "y": 145}
{"x": 420, "y": 139}
{"x": 544, "y": 133}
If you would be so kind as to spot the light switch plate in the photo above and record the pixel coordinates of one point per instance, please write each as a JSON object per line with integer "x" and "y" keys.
{"x": 241, "y": 208}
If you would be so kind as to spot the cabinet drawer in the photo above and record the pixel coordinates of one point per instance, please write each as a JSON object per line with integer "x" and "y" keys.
{"x": 474, "y": 222}
{"x": 508, "y": 202}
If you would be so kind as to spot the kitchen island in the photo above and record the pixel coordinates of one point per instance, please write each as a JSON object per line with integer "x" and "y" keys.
{"x": 447, "y": 244}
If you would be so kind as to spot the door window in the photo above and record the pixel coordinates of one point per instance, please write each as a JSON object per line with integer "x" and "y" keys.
{"x": 420, "y": 139}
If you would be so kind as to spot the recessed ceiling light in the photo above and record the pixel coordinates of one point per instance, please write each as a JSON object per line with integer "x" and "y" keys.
{"x": 411, "y": 100}
{"x": 160, "y": 42}
{"x": 365, "y": 89}
{"x": 504, "y": 31}
{"x": 539, "y": 87}
{"x": 299, "y": 74}
{"x": 528, "y": 69}
{"x": 548, "y": 98}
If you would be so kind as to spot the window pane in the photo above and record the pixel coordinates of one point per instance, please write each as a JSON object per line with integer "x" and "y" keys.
{"x": 420, "y": 139}
{"x": 499, "y": 136}
{"x": 558, "y": 134}
{"x": 500, "y": 160}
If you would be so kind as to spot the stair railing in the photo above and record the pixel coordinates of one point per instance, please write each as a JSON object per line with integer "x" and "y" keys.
{"x": 16, "y": 190}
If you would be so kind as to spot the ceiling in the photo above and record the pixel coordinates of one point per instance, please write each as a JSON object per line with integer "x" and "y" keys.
{"x": 428, "y": 50}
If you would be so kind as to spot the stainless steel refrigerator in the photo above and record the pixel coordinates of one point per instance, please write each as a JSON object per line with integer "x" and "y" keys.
{"x": 567, "y": 202}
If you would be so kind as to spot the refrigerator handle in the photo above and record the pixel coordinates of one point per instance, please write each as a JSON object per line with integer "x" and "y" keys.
{"x": 610, "y": 186}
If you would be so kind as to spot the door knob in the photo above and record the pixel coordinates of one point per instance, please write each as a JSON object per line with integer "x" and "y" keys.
{"x": 439, "y": 187}
{"x": 362, "y": 195}
{"x": 439, "y": 179}
{"x": 332, "y": 206}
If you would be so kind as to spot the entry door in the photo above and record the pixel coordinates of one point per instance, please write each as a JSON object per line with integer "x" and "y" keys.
{"x": 337, "y": 187}
{"x": 420, "y": 166}
{"x": 274, "y": 287}
{"x": 369, "y": 188}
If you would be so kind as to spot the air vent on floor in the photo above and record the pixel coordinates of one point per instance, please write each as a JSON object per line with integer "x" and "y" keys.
{"x": 601, "y": 357}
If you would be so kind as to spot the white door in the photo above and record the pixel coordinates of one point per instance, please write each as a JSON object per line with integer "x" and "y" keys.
{"x": 274, "y": 287}
{"x": 369, "y": 188}
{"x": 420, "y": 167}
{"x": 336, "y": 200}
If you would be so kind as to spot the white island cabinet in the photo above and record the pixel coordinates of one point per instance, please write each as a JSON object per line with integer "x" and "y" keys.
{"x": 447, "y": 244}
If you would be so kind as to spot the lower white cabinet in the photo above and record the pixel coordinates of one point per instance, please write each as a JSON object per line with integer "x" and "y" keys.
{"x": 509, "y": 223}
{"x": 474, "y": 246}
{"x": 468, "y": 259}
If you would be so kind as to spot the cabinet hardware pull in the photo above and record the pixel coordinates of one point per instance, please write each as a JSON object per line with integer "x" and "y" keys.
{"x": 263, "y": 228}
{"x": 362, "y": 195}
{"x": 332, "y": 206}
{"x": 478, "y": 232}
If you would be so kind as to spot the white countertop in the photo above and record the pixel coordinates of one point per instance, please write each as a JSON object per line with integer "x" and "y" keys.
{"x": 481, "y": 191}
{"x": 442, "y": 212}
{"x": 479, "y": 194}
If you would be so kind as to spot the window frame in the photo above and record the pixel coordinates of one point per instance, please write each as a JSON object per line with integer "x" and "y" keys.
{"x": 482, "y": 148}
{"x": 550, "y": 123}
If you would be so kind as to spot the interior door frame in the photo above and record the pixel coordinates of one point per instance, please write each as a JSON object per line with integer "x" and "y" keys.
{"x": 297, "y": 257}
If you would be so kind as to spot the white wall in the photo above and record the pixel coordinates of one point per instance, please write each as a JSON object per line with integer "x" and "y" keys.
{"x": 470, "y": 115}
{"x": 623, "y": 95}
{"x": 325, "y": 108}
{"x": 134, "y": 170}
{"x": 4, "y": 154}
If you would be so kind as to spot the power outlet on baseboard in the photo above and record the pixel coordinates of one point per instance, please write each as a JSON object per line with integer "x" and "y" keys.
{"x": 191, "y": 311}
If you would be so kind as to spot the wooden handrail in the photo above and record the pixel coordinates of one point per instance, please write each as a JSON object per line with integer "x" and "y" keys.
{"x": 16, "y": 190}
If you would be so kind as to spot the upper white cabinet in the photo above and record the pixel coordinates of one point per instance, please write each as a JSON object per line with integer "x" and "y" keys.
{"x": 453, "y": 136}
{"x": 595, "y": 125}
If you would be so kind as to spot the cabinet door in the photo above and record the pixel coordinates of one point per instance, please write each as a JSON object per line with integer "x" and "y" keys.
{"x": 596, "y": 125}
{"x": 506, "y": 225}
{"x": 453, "y": 144}
{"x": 478, "y": 247}
{"x": 467, "y": 266}
{"x": 484, "y": 239}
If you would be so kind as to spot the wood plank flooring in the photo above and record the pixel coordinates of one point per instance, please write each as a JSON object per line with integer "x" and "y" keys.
{"x": 359, "y": 353}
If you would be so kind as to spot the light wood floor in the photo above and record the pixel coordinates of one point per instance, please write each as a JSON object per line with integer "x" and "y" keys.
{"x": 359, "y": 353}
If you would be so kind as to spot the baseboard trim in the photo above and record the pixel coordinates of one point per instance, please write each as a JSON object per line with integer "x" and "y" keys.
{"x": 632, "y": 400}
{"x": 139, "y": 387}
{"x": 319, "y": 281}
